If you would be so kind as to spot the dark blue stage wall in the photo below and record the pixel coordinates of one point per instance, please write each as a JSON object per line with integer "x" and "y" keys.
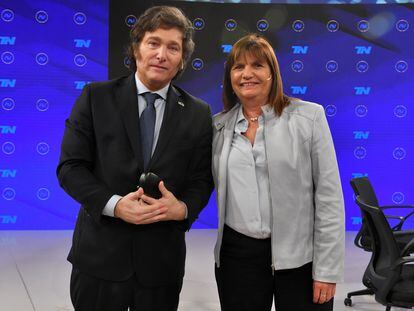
{"x": 49, "y": 50}
{"x": 355, "y": 60}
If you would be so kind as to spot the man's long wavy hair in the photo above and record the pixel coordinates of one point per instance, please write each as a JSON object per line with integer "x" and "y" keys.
{"x": 165, "y": 17}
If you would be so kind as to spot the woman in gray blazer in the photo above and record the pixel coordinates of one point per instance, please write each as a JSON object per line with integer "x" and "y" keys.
{"x": 281, "y": 215}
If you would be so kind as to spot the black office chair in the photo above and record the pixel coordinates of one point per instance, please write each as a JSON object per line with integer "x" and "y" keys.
{"x": 362, "y": 187}
{"x": 387, "y": 274}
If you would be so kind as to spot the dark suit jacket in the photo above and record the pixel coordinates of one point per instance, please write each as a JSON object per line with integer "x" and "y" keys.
{"x": 101, "y": 156}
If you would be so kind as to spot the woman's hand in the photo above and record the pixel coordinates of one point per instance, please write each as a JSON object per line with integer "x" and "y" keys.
{"x": 323, "y": 291}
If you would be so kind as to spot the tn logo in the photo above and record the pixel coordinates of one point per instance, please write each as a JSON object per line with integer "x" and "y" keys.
{"x": 360, "y": 49}
{"x": 226, "y": 48}
{"x": 298, "y": 89}
{"x": 358, "y": 175}
{"x": 356, "y": 220}
{"x": 80, "y": 43}
{"x": 6, "y": 173}
{"x": 7, "y": 40}
{"x": 7, "y": 82}
{"x": 361, "y": 135}
{"x": 6, "y": 219}
{"x": 299, "y": 49}
{"x": 79, "y": 85}
{"x": 362, "y": 90}
{"x": 5, "y": 129}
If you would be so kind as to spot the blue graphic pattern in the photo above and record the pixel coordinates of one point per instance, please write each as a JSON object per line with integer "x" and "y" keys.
{"x": 47, "y": 49}
{"x": 357, "y": 64}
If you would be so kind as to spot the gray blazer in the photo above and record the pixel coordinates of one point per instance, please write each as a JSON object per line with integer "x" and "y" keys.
{"x": 305, "y": 188}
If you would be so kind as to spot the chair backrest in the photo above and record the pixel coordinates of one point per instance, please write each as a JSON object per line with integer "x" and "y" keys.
{"x": 362, "y": 187}
{"x": 385, "y": 251}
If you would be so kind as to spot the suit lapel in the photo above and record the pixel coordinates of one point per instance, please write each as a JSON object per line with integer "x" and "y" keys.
{"x": 172, "y": 115}
{"x": 127, "y": 99}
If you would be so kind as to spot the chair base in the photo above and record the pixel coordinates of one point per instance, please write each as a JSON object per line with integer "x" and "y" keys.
{"x": 348, "y": 300}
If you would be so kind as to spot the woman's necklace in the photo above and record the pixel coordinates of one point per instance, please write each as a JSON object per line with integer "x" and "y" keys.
{"x": 252, "y": 119}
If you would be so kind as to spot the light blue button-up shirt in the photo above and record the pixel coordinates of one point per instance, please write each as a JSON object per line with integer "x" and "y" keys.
{"x": 159, "y": 105}
{"x": 248, "y": 194}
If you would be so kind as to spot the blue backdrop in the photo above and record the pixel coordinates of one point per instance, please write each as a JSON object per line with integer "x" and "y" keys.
{"x": 355, "y": 60}
{"x": 49, "y": 50}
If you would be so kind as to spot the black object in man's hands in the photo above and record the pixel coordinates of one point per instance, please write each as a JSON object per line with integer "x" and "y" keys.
{"x": 149, "y": 182}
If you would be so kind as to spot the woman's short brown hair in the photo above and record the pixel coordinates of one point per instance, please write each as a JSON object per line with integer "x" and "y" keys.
{"x": 260, "y": 48}
{"x": 165, "y": 17}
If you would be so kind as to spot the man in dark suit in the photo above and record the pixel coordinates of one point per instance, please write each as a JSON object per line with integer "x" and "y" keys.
{"x": 128, "y": 249}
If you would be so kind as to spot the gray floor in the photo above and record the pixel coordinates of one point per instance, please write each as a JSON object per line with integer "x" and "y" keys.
{"x": 34, "y": 275}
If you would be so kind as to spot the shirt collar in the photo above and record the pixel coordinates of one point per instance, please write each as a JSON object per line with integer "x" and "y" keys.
{"x": 267, "y": 108}
{"x": 241, "y": 121}
{"x": 141, "y": 88}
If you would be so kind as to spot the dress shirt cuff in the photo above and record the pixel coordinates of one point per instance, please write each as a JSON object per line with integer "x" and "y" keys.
{"x": 109, "y": 208}
{"x": 186, "y": 210}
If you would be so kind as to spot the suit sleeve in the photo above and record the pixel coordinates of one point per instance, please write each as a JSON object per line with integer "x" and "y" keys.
{"x": 75, "y": 171}
{"x": 199, "y": 183}
{"x": 329, "y": 206}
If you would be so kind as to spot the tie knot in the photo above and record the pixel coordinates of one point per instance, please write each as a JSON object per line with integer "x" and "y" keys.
{"x": 150, "y": 98}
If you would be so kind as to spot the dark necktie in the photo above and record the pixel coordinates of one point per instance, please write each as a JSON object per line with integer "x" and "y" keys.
{"x": 147, "y": 126}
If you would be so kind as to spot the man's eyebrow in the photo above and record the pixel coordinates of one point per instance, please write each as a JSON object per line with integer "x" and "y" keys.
{"x": 154, "y": 38}
{"x": 159, "y": 39}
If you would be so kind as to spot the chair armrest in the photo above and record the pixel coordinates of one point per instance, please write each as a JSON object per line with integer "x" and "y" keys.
{"x": 396, "y": 206}
{"x": 402, "y": 218}
{"x": 394, "y": 217}
{"x": 408, "y": 248}
{"x": 408, "y": 215}
{"x": 400, "y": 261}
{"x": 398, "y": 226}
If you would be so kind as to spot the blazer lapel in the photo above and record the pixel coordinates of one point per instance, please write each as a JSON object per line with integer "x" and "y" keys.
{"x": 127, "y": 99}
{"x": 172, "y": 115}
{"x": 229, "y": 123}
